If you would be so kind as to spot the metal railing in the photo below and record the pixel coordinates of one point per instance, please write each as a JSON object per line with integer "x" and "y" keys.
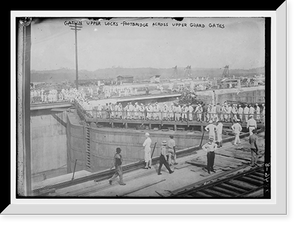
{"x": 99, "y": 115}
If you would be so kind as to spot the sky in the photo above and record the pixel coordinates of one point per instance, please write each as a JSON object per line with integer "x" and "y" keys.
{"x": 198, "y": 42}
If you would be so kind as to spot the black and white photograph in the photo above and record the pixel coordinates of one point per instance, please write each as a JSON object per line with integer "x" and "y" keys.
{"x": 141, "y": 107}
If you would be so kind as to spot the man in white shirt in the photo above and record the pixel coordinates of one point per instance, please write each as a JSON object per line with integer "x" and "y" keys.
{"x": 150, "y": 111}
{"x": 211, "y": 128}
{"x": 240, "y": 112}
{"x": 170, "y": 114}
{"x": 184, "y": 111}
{"x": 251, "y": 110}
{"x": 147, "y": 150}
{"x": 229, "y": 112}
{"x": 210, "y": 148}
{"x": 136, "y": 110}
{"x": 251, "y": 124}
{"x": 130, "y": 111}
{"x": 257, "y": 112}
{"x": 178, "y": 113}
{"x": 126, "y": 112}
{"x": 190, "y": 109}
{"x": 199, "y": 111}
{"x": 246, "y": 113}
{"x": 142, "y": 111}
{"x": 234, "y": 112}
{"x": 219, "y": 133}
{"x": 214, "y": 113}
{"x": 171, "y": 150}
{"x": 237, "y": 128}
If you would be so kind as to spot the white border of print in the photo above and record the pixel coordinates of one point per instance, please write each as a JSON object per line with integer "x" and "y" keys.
{"x": 276, "y": 205}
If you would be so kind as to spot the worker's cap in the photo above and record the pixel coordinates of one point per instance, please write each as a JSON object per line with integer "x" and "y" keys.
{"x": 164, "y": 143}
{"x": 147, "y": 134}
{"x": 251, "y": 116}
{"x": 118, "y": 149}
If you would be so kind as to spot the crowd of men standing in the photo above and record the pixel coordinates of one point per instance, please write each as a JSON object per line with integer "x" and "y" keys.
{"x": 176, "y": 112}
{"x": 54, "y": 95}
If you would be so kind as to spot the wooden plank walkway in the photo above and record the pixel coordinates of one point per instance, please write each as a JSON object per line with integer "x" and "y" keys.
{"x": 143, "y": 183}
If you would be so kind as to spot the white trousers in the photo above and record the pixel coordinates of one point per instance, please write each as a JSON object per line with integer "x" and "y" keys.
{"x": 251, "y": 129}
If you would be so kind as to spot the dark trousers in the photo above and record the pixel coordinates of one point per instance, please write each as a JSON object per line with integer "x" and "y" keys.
{"x": 254, "y": 156}
{"x": 118, "y": 172}
{"x": 162, "y": 161}
{"x": 210, "y": 161}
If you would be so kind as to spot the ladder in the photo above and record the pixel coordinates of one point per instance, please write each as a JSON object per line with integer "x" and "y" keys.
{"x": 88, "y": 147}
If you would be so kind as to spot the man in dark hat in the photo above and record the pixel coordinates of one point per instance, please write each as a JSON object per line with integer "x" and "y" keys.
{"x": 118, "y": 167}
{"x": 163, "y": 158}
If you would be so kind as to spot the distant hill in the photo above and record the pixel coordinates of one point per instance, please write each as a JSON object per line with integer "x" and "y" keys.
{"x": 64, "y": 74}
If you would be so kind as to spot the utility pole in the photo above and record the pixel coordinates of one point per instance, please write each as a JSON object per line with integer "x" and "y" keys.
{"x": 77, "y": 26}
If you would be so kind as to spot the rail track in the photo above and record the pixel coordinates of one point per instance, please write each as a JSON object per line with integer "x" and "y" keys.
{"x": 241, "y": 185}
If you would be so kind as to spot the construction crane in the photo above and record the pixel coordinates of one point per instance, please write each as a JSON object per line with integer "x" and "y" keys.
{"x": 226, "y": 72}
{"x": 188, "y": 71}
{"x": 175, "y": 72}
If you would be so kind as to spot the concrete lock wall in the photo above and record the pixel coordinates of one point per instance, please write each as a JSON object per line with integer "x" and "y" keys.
{"x": 104, "y": 141}
{"x": 48, "y": 143}
{"x": 76, "y": 148}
